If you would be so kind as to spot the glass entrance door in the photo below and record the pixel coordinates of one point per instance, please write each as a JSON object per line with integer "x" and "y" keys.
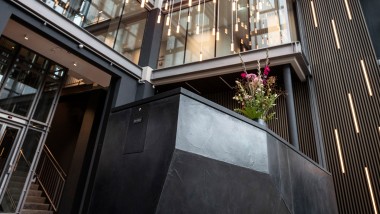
{"x": 9, "y": 139}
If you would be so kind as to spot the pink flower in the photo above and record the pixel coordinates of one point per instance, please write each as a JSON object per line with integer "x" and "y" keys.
{"x": 243, "y": 75}
{"x": 266, "y": 70}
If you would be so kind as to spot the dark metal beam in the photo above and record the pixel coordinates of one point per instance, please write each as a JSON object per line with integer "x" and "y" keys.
{"x": 290, "y": 110}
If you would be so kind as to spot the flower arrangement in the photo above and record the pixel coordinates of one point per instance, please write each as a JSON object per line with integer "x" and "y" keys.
{"x": 256, "y": 92}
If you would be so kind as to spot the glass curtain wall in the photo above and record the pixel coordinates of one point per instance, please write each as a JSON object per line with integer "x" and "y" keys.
{"x": 118, "y": 23}
{"x": 242, "y": 25}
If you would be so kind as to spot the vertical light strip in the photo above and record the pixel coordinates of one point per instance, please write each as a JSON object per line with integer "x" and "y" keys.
{"x": 353, "y": 113}
{"x": 335, "y": 34}
{"x": 370, "y": 190}
{"x": 339, "y": 150}
{"x": 379, "y": 129}
{"x": 366, "y": 77}
{"x": 348, "y": 9}
{"x": 314, "y": 15}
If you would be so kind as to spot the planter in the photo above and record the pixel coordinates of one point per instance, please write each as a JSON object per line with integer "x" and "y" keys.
{"x": 261, "y": 122}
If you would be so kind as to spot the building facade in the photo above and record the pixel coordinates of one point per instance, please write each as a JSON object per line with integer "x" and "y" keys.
{"x": 107, "y": 53}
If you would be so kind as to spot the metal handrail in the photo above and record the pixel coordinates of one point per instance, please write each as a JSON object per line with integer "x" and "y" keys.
{"x": 51, "y": 185}
{"x": 56, "y": 164}
{"x": 51, "y": 177}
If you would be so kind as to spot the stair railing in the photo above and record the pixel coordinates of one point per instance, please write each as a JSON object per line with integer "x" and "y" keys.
{"x": 50, "y": 177}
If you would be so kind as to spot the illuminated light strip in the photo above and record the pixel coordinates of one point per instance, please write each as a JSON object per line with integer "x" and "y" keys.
{"x": 314, "y": 16}
{"x": 335, "y": 34}
{"x": 370, "y": 190}
{"x": 366, "y": 77}
{"x": 348, "y": 10}
{"x": 339, "y": 150}
{"x": 353, "y": 113}
{"x": 379, "y": 129}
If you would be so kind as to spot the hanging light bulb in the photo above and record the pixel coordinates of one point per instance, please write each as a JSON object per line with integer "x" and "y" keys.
{"x": 142, "y": 3}
{"x": 241, "y": 41}
{"x": 217, "y": 35}
{"x": 166, "y": 5}
{"x": 214, "y": 1}
{"x": 232, "y": 46}
{"x": 233, "y": 6}
{"x": 236, "y": 27}
{"x": 199, "y": 7}
{"x": 126, "y": 1}
{"x": 200, "y": 56}
{"x": 146, "y": 1}
{"x": 159, "y": 18}
{"x": 167, "y": 20}
{"x": 226, "y": 31}
{"x": 246, "y": 36}
{"x": 179, "y": 16}
{"x": 190, "y": 3}
{"x": 197, "y": 30}
{"x": 257, "y": 16}
{"x": 213, "y": 31}
{"x": 188, "y": 18}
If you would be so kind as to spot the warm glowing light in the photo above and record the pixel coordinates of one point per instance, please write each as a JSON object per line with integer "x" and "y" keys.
{"x": 188, "y": 18}
{"x": 26, "y": 37}
{"x": 190, "y": 3}
{"x": 339, "y": 150}
{"x": 353, "y": 113}
{"x": 199, "y": 7}
{"x": 177, "y": 28}
{"x": 217, "y": 36}
{"x": 213, "y": 31}
{"x": 126, "y": 1}
{"x": 335, "y": 34}
{"x": 167, "y": 20}
{"x": 159, "y": 18}
{"x": 232, "y": 46}
{"x": 166, "y": 5}
{"x": 200, "y": 56}
{"x": 236, "y": 27}
{"x": 214, "y": 1}
{"x": 348, "y": 9}
{"x": 314, "y": 15}
{"x": 241, "y": 41}
{"x": 257, "y": 16}
{"x": 366, "y": 77}
{"x": 197, "y": 30}
{"x": 226, "y": 31}
{"x": 370, "y": 190}
{"x": 142, "y": 3}
{"x": 233, "y": 6}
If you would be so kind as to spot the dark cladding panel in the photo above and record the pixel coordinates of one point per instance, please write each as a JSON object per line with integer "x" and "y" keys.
{"x": 196, "y": 184}
{"x": 136, "y": 131}
{"x": 132, "y": 183}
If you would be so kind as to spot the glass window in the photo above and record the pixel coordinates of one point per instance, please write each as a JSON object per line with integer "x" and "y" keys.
{"x": 240, "y": 26}
{"x": 172, "y": 51}
{"x": 199, "y": 34}
{"x": 21, "y": 85}
{"x": 49, "y": 92}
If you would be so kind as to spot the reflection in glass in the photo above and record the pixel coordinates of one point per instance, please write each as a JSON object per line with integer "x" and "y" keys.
{"x": 7, "y": 139}
{"x": 172, "y": 51}
{"x": 197, "y": 41}
{"x": 49, "y": 92}
{"x": 251, "y": 25}
{"x": 7, "y": 50}
{"x": 20, "y": 172}
{"x": 21, "y": 85}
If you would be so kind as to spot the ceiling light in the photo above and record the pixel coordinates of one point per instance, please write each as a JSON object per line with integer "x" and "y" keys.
{"x": 75, "y": 64}
{"x": 26, "y": 37}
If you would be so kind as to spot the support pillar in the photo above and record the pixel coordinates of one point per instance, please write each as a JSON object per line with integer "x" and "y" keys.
{"x": 290, "y": 110}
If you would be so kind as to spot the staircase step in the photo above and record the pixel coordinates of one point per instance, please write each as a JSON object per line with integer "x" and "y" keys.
{"x": 36, "y": 206}
{"x": 36, "y": 199}
{"x": 20, "y": 173}
{"x": 26, "y": 211}
{"x": 33, "y": 192}
{"x": 34, "y": 186}
{"x": 17, "y": 178}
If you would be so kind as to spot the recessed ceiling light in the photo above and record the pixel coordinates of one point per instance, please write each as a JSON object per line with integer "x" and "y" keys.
{"x": 75, "y": 64}
{"x": 26, "y": 37}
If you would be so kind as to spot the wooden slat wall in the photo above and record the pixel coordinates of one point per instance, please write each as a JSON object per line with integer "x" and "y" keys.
{"x": 338, "y": 72}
